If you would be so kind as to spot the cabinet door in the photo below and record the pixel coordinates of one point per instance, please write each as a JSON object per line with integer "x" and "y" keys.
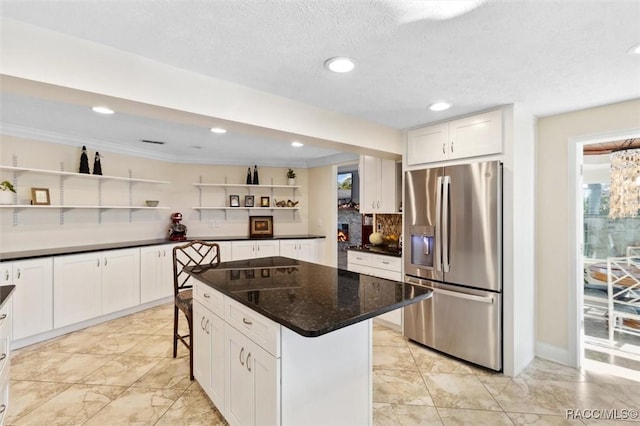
{"x": 369, "y": 181}
{"x": 201, "y": 348}
{"x": 387, "y": 187}
{"x": 120, "y": 279}
{"x": 428, "y": 144}
{"x": 265, "y": 373}
{"x": 307, "y": 250}
{"x": 150, "y": 274}
{"x": 6, "y": 273}
{"x": 215, "y": 332}
{"x": 239, "y": 392}
{"x": 243, "y": 250}
{"x": 166, "y": 270}
{"x": 477, "y": 135}
{"x": 289, "y": 248}
{"x": 267, "y": 248}
{"x": 33, "y": 297}
{"x": 77, "y": 286}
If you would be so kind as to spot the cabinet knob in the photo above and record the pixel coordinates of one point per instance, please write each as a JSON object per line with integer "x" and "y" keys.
{"x": 18, "y": 276}
{"x": 202, "y": 323}
{"x": 105, "y": 261}
{"x": 2, "y": 357}
{"x": 3, "y": 407}
{"x": 3, "y": 316}
{"x": 248, "y": 363}
{"x": 444, "y": 151}
{"x": 451, "y": 146}
{"x": 98, "y": 262}
{"x": 241, "y": 352}
{"x": 206, "y": 327}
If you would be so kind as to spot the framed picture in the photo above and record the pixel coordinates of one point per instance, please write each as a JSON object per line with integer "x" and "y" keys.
{"x": 234, "y": 274}
{"x": 260, "y": 226}
{"x": 40, "y": 197}
{"x": 249, "y": 274}
{"x": 248, "y": 200}
{"x": 234, "y": 200}
{"x": 265, "y": 272}
{"x": 265, "y": 202}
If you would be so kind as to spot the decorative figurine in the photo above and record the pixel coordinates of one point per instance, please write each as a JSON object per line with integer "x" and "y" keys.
{"x": 256, "y": 181}
{"x": 249, "y": 176}
{"x": 84, "y": 161}
{"x": 97, "y": 168}
{"x": 177, "y": 231}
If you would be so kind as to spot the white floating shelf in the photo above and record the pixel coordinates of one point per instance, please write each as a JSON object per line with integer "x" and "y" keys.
{"x": 243, "y": 185}
{"x": 58, "y": 206}
{"x": 79, "y": 175}
{"x": 246, "y": 208}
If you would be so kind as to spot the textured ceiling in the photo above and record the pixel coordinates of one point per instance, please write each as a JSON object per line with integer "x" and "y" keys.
{"x": 549, "y": 56}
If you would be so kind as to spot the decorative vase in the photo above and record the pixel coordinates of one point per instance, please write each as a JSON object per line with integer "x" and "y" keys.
{"x": 84, "y": 161}
{"x": 6, "y": 197}
{"x": 256, "y": 180}
{"x": 292, "y": 181}
{"x": 249, "y": 176}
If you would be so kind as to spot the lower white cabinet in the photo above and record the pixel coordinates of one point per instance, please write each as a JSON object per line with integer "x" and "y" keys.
{"x": 89, "y": 285}
{"x": 252, "y": 381}
{"x": 5, "y": 357}
{"x": 253, "y": 249}
{"x": 381, "y": 266}
{"x": 32, "y": 299}
{"x": 208, "y": 329}
{"x": 156, "y": 272}
{"x": 305, "y": 249}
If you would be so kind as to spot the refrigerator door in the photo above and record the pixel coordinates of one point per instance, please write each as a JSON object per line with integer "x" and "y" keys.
{"x": 422, "y": 249}
{"x": 465, "y": 323}
{"x": 472, "y": 225}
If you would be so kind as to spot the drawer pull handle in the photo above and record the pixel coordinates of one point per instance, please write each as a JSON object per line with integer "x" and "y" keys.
{"x": 18, "y": 273}
{"x": 3, "y": 407}
{"x": 2, "y": 357}
{"x": 248, "y": 358}
{"x": 246, "y": 321}
{"x": 241, "y": 360}
{"x": 202, "y": 323}
{"x": 206, "y": 296}
{"x": 3, "y": 316}
{"x": 206, "y": 327}
{"x": 385, "y": 262}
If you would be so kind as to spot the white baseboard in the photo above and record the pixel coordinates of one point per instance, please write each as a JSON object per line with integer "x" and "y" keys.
{"x": 554, "y": 353}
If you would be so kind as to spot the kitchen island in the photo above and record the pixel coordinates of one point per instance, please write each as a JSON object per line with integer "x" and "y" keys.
{"x": 279, "y": 341}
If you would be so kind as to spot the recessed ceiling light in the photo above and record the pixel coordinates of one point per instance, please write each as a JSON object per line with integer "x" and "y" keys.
{"x": 635, "y": 50}
{"x": 297, "y": 144}
{"x": 339, "y": 64}
{"x": 218, "y": 130}
{"x": 102, "y": 110}
{"x": 439, "y": 106}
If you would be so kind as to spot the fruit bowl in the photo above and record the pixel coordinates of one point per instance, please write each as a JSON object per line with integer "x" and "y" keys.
{"x": 152, "y": 203}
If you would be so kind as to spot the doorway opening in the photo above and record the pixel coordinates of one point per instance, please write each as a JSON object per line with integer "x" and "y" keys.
{"x": 348, "y": 205}
{"x": 610, "y": 336}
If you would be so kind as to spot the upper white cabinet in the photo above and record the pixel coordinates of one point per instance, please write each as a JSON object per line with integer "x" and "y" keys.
{"x": 378, "y": 185}
{"x": 33, "y": 297}
{"x": 254, "y": 249}
{"x": 467, "y": 137}
{"x": 89, "y": 285}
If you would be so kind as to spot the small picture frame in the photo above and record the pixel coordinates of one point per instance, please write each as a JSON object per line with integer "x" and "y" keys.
{"x": 260, "y": 226}
{"x": 234, "y": 274}
{"x": 265, "y": 202}
{"x": 265, "y": 273}
{"x": 234, "y": 201}
{"x": 40, "y": 197}
{"x": 249, "y": 274}
{"x": 248, "y": 200}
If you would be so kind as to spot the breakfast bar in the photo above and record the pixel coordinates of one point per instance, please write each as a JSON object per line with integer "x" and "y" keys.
{"x": 280, "y": 341}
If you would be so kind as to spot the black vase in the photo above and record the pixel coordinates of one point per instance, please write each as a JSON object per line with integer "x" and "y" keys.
{"x": 249, "y": 176}
{"x": 84, "y": 161}
{"x": 97, "y": 167}
{"x": 256, "y": 181}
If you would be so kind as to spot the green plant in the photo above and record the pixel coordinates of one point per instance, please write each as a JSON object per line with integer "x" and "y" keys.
{"x": 291, "y": 174}
{"x": 7, "y": 186}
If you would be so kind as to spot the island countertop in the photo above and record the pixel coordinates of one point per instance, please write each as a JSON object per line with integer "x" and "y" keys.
{"x": 308, "y": 298}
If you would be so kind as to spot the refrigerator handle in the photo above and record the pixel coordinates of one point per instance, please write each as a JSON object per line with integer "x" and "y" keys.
{"x": 438, "y": 241}
{"x": 483, "y": 299}
{"x": 445, "y": 222}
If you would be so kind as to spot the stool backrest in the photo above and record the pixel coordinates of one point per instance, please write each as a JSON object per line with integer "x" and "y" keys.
{"x": 192, "y": 254}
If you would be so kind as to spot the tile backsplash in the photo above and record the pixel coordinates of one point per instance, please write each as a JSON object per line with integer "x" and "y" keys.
{"x": 389, "y": 224}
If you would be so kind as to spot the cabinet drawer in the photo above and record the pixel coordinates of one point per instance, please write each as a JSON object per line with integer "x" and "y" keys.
{"x": 256, "y": 327}
{"x": 210, "y": 298}
{"x": 358, "y": 258}
{"x": 390, "y": 263}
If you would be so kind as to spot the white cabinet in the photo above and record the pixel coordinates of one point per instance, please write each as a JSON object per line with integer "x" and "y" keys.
{"x": 378, "y": 185}
{"x": 208, "y": 329}
{"x": 252, "y": 381}
{"x": 156, "y": 272}
{"x": 89, "y": 285}
{"x": 5, "y": 357}
{"x": 463, "y": 138}
{"x": 33, "y": 297}
{"x": 307, "y": 250}
{"x": 254, "y": 249}
{"x": 381, "y": 266}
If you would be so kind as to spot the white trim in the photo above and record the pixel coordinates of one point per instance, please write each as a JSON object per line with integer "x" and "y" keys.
{"x": 575, "y": 353}
{"x": 553, "y": 353}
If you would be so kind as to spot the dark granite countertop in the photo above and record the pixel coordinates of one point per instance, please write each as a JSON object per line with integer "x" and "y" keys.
{"x": 377, "y": 250}
{"x": 307, "y": 298}
{"x": 58, "y": 251}
{"x": 5, "y": 292}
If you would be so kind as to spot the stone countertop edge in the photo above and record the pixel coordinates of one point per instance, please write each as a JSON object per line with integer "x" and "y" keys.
{"x": 318, "y": 332}
{"x": 382, "y": 252}
{"x": 5, "y": 292}
{"x": 59, "y": 251}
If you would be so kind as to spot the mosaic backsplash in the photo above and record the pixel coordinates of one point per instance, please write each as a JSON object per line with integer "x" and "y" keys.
{"x": 391, "y": 224}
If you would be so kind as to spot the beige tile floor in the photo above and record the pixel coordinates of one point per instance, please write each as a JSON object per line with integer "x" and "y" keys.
{"x": 122, "y": 373}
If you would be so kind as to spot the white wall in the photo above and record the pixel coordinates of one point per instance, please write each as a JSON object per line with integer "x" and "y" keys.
{"x": 555, "y": 317}
{"x": 42, "y": 228}
{"x": 323, "y": 209}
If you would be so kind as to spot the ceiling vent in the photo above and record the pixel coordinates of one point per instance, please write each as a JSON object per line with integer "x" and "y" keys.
{"x": 153, "y": 142}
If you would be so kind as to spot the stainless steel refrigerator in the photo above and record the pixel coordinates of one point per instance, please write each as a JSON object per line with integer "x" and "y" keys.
{"x": 453, "y": 245}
